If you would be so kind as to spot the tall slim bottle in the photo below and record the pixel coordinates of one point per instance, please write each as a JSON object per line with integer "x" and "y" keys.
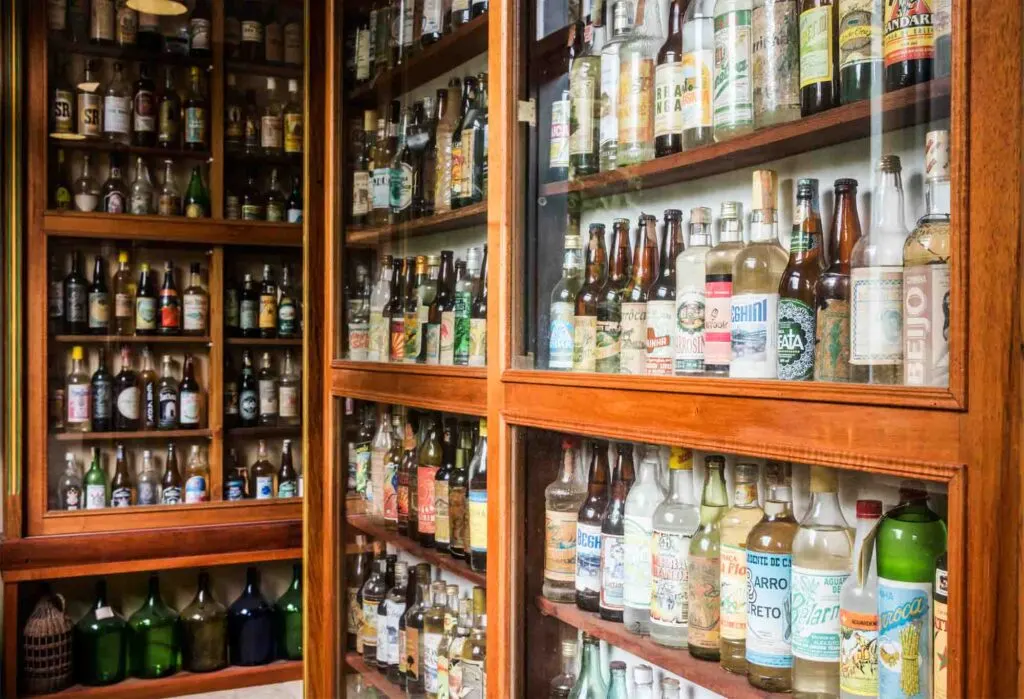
{"x": 775, "y": 56}
{"x": 433, "y": 634}
{"x": 691, "y": 270}
{"x": 703, "y": 565}
{"x": 585, "y": 107}
{"x": 588, "y": 530}
{"x": 698, "y": 64}
{"x": 563, "y": 307}
{"x": 733, "y": 88}
{"x": 412, "y": 303}
{"x": 478, "y": 319}
{"x": 585, "y": 322}
{"x": 661, "y": 304}
{"x": 668, "y": 88}
{"x": 477, "y": 504}
{"x": 380, "y": 297}
{"x": 621, "y": 28}
{"x": 858, "y": 612}
{"x": 288, "y": 618}
{"x": 736, "y": 525}
{"x": 429, "y": 462}
{"x": 637, "y": 59}
{"x": 441, "y": 329}
{"x": 609, "y": 305}
{"x": 633, "y": 339}
{"x": 373, "y": 593}
{"x": 380, "y": 448}
{"x": 458, "y": 493}
{"x": 832, "y": 292}
{"x": 638, "y": 525}
{"x": 403, "y": 279}
{"x": 718, "y": 290}
{"x": 443, "y": 147}
{"x": 819, "y": 52}
{"x": 464, "y": 293}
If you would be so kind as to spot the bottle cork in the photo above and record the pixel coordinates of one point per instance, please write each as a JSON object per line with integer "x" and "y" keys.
{"x": 681, "y": 459}
{"x": 766, "y": 185}
{"x": 936, "y": 155}
{"x": 823, "y": 480}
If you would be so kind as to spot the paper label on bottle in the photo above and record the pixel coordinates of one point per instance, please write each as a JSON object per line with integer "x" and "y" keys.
{"x": 926, "y": 325}
{"x": 636, "y": 100}
{"x": 609, "y": 125}
{"x": 661, "y": 331}
{"x": 379, "y": 341}
{"x": 560, "y": 545}
{"x": 99, "y": 310}
{"x": 583, "y": 86}
{"x": 249, "y": 405}
{"x": 637, "y": 559}
{"x": 190, "y": 409}
{"x": 669, "y": 589}
{"x": 196, "y": 310}
{"x": 167, "y": 400}
{"x": 588, "y": 558}
{"x": 234, "y": 489}
{"x": 442, "y": 519}
{"x": 458, "y": 516}
{"x": 122, "y": 306}
{"x": 431, "y": 643}
{"x": 858, "y": 653}
{"x": 104, "y": 613}
{"x": 584, "y": 343}
{"x": 446, "y": 350}
{"x": 775, "y": 58}
{"x": 606, "y": 346}
{"x": 268, "y": 396}
{"x": 78, "y": 399}
{"x": 876, "y": 317}
{"x": 816, "y": 46}
{"x": 196, "y": 490}
{"x": 697, "y": 83}
{"x": 904, "y": 639}
{"x": 859, "y": 32}
{"x": 360, "y": 193}
{"x": 940, "y": 640}
{"x": 478, "y": 521}
{"x": 391, "y": 491}
{"x": 432, "y": 21}
{"x": 832, "y": 344}
{"x": 411, "y": 327}
{"x": 478, "y": 342}
{"x": 613, "y": 571}
{"x": 102, "y": 398}
{"x": 268, "y": 311}
{"x": 795, "y": 340}
{"x": 252, "y": 31}
{"x": 733, "y": 584}
{"x": 733, "y": 103}
{"x": 144, "y": 111}
{"x": 355, "y": 612}
{"x": 633, "y": 339}
{"x": 114, "y": 202}
{"x": 63, "y": 111}
{"x": 704, "y": 602}
{"x": 768, "y": 609}
{"x": 668, "y": 99}
{"x": 271, "y": 132}
{"x": 562, "y": 336}
{"x": 689, "y": 330}
{"x": 474, "y": 680}
{"x": 170, "y": 313}
{"x": 288, "y": 401}
{"x": 558, "y": 146}
{"x": 72, "y": 497}
{"x": 400, "y": 188}
{"x": 128, "y": 403}
{"x": 140, "y": 203}
{"x": 90, "y": 117}
{"x": 412, "y": 653}
{"x": 369, "y": 618}
{"x": 457, "y": 177}
{"x": 147, "y": 493}
{"x": 908, "y": 33}
{"x": 95, "y": 497}
{"x": 55, "y": 305}
{"x": 815, "y": 615}
{"x": 718, "y": 321}
{"x": 754, "y": 332}
{"x": 432, "y": 340}
{"x": 121, "y": 497}
{"x": 463, "y": 309}
{"x": 199, "y": 33}
{"x": 117, "y": 114}
{"x": 171, "y": 495}
{"x": 264, "y": 487}
{"x": 426, "y": 504}
{"x": 396, "y": 347}
{"x": 77, "y": 303}
{"x": 470, "y": 187}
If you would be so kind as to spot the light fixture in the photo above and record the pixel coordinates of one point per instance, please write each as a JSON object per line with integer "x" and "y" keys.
{"x": 159, "y": 7}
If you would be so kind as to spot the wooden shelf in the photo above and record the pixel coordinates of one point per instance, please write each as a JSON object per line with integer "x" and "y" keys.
{"x": 366, "y": 236}
{"x": 132, "y": 339}
{"x": 171, "y": 229}
{"x": 453, "y": 50}
{"x": 184, "y": 683}
{"x": 450, "y": 389}
{"x": 909, "y": 106}
{"x": 271, "y": 432}
{"x": 265, "y": 342}
{"x": 707, "y": 674}
{"x": 131, "y": 436}
{"x": 264, "y": 69}
{"x": 373, "y": 677}
{"x": 59, "y": 46}
{"x": 372, "y": 526}
{"x": 146, "y": 151}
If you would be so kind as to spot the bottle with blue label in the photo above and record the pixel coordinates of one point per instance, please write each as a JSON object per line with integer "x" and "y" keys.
{"x": 235, "y": 479}
{"x": 563, "y": 306}
{"x": 264, "y": 476}
{"x": 588, "y": 530}
{"x": 197, "y": 477}
{"x": 287, "y": 478}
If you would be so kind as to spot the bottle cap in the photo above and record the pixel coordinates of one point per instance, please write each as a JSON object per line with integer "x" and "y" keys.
{"x": 845, "y": 183}
{"x": 765, "y": 187}
{"x": 700, "y": 214}
{"x": 936, "y": 155}
{"x": 714, "y": 461}
{"x": 596, "y": 228}
{"x": 643, "y": 674}
{"x": 869, "y": 509}
{"x": 77, "y": 353}
{"x": 823, "y": 480}
{"x": 681, "y": 459}
{"x": 618, "y": 666}
{"x": 890, "y": 163}
{"x": 731, "y": 209}
{"x": 673, "y": 215}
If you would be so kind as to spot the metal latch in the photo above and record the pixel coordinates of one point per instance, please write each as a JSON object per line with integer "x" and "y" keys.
{"x": 528, "y": 112}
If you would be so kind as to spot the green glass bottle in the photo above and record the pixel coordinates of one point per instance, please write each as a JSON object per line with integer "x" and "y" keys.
{"x": 100, "y": 641}
{"x": 204, "y": 631}
{"x": 590, "y": 683}
{"x": 617, "y": 689}
{"x": 153, "y": 651}
{"x": 96, "y": 495}
{"x": 288, "y": 611}
{"x": 197, "y": 201}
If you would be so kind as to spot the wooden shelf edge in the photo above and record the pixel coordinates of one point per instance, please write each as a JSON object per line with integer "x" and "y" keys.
{"x": 137, "y": 435}
{"x": 131, "y": 339}
{"x": 271, "y": 432}
{"x": 460, "y": 390}
{"x": 707, "y": 674}
{"x": 171, "y": 229}
{"x": 374, "y": 527}
{"x": 459, "y": 218}
{"x": 264, "y": 69}
{"x": 373, "y": 677}
{"x": 264, "y": 342}
{"x": 95, "y": 145}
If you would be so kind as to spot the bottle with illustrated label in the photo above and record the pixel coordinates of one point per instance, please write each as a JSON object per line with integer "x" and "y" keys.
{"x": 563, "y": 307}
{"x": 609, "y": 305}
{"x": 458, "y": 159}
{"x": 691, "y": 270}
{"x": 197, "y": 477}
{"x": 148, "y": 481}
{"x": 588, "y": 530}
{"x": 71, "y": 492}
{"x": 168, "y": 305}
{"x": 268, "y": 392}
{"x": 248, "y": 393}
{"x": 406, "y": 482}
{"x": 102, "y": 391}
{"x": 733, "y": 105}
{"x": 95, "y": 483}
{"x": 563, "y": 498}
{"x": 876, "y": 294}
{"x": 99, "y": 299}
{"x": 451, "y": 619}
{"x": 585, "y": 106}
{"x": 669, "y": 88}
{"x": 400, "y": 182}
{"x": 190, "y": 395}
{"x": 718, "y": 290}
{"x": 428, "y": 462}
{"x": 140, "y": 199}
{"x": 940, "y": 635}
{"x": 433, "y": 634}
{"x": 394, "y": 313}
{"x": 458, "y": 494}
{"x": 858, "y": 612}
{"x": 465, "y": 291}
{"x": 395, "y": 606}
{"x": 289, "y": 394}
{"x": 169, "y": 114}
{"x": 860, "y": 49}
{"x": 62, "y": 186}
{"x": 263, "y": 474}
{"x": 195, "y": 304}
{"x": 637, "y": 59}
{"x": 735, "y": 528}
{"x": 380, "y": 298}
{"x": 443, "y": 148}
{"x": 617, "y": 686}
{"x": 675, "y": 521}
{"x": 477, "y": 505}
{"x": 926, "y": 276}
{"x": 90, "y": 105}
{"x": 442, "y": 479}
{"x": 703, "y": 565}
{"x": 757, "y": 272}
{"x": 115, "y": 192}
{"x": 145, "y": 302}
{"x": 590, "y": 684}
{"x": 76, "y": 297}
{"x": 585, "y": 322}
{"x": 287, "y": 477}
{"x": 909, "y": 541}
{"x": 167, "y": 396}
{"x": 474, "y": 147}
{"x": 372, "y": 593}
{"x": 621, "y": 23}
{"x": 170, "y": 484}
{"x": 126, "y": 395}
{"x": 411, "y": 313}
{"x": 633, "y": 336}
{"x": 832, "y": 292}
{"x": 797, "y": 308}
{"x": 267, "y": 314}
{"x": 78, "y": 394}
{"x": 769, "y": 561}
{"x": 822, "y": 553}
{"x": 379, "y": 450}
{"x": 775, "y": 61}
{"x": 643, "y": 499}
{"x": 661, "y": 302}
{"x": 613, "y": 562}
{"x": 908, "y": 43}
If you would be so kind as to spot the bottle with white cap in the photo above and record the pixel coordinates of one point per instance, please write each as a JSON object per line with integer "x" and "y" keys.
{"x": 669, "y": 688}
{"x": 643, "y": 682}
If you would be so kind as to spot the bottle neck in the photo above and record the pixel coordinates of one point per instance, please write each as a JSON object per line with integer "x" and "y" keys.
{"x": 731, "y": 231}
{"x": 824, "y": 508}
{"x": 571, "y": 262}
{"x": 937, "y": 196}
{"x": 681, "y": 484}
{"x": 890, "y": 204}
{"x": 864, "y": 527}
{"x": 763, "y": 225}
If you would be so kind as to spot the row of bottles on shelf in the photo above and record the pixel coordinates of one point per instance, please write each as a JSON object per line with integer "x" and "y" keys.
{"x": 104, "y": 648}
{"x": 423, "y": 310}
{"x": 274, "y": 129}
{"x": 727, "y": 68}
{"x": 393, "y": 32}
{"x": 247, "y": 202}
{"x": 432, "y": 163}
{"x": 117, "y": 197}
{"x": 263, "y": 398}
{"x": 589, "y": 682}
{"x": 421, "y": 635}
{"x": 429, "y": 484}
{"x": 794, "y": 606}
{"x": 867, "y": 309}
{"x": 267, "y": 310}
{"x": 251, "y": 32}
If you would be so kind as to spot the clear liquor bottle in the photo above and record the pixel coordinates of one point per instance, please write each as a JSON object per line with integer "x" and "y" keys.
{"x": 373, "y": 593}
{"x": 617, "y": 688}
{"x": 698, "y": 74}
{"x": 858, "y": 612}
{"x": 117, "y": 108}
{"x": 609, "y": 306}
{"x": 735, "y": 528}
{"x": 268, "y": 392}
{"x": 264, "y": 475}
{"x": 703, "y": 567}
{"x": 718, "y": 290}
{"x": 451, "y": 621}
{"x": 668, "y": 87}
{"x": 612, "y": 536}
{"x": 675, "y": 521}
{"x": 562, "y": 684}
{"x": 635, "y": 102}
{"x": 563, "y": 306}
{"x": 433, "y": 634}
{"x": 775, "y": 60}
{"x": 608, "y": 131}
{"x": 140, "y": 201}
{"x": 474, "y": 651}
{"x": 585, "y": 107}
{"x": 661, "y": 304}
{"x": 380, "y": 297}
{"x": 272, "y": 122}
{"x": 733, "y": 89}
{"x": 562, "y": 500}
{"x": 70, "y": 493}
{"x": 691, "y": 270}
{"x": 465, "y": 291}
{"x": 638, "y": 525}
{"x": 289, "y": 394}
{"x": 395, "y": 605}
{"x": 169, "y": 199}
{"x": 590, "y": 683}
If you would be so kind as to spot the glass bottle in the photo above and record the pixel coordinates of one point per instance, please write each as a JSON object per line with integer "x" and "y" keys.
{"x": 127, "y": 395}
{"x": 264, "y": 475}
{"x": 380, "y": 184}
{"x": 248, "y": 393}
{"x": 380, "y": 297}
{"x": 443, "y": 140}
{"x": 204, "y": 631}
{"x": 122, "y": 490}
{"x": 776, "y": 55}
{"x": 102, "y": 388}
{"x": 474, "y": 650}
{"x": 197, "y": 201}
{"x": 117, "y": 108}
{"x": 273, "y": 38}
{"x": 860, "y": 50}
{"x": 465, "y": 290}
{"x": 428, "y": 463}
{"x": 668, "y": 88}
{"x": 588, "y": 530}
{"x": 633, "y": 338}
{"x": 169, "y": 198}
{"x": 585, "y": 107}
{"x": 621, "y": 28}
{"x": 101, "y": 638}
{"x": 149, "y": 38}
{"x": 661, "y": 304}
{"x": 876, "y": 328}
{"x": 698, "y": 64}
{"x": 169, "y": 114}
{"x": 62, "y": 114}
{"x": 411, "y": 312}
{"x": 90, "y": 105}
{"x": 167, "y": 396}
{"x": 612, "y": 536}
{"x": 154, "y": 636}
{"x": 478, "y": 319}
{"x": 195, "y": 304}
{"x": 236, "y": 479}
{"x": 908, "y": 43}
{"x": 289, "y": 393}
{"x": 268, "y": 392}
{"x": 703, "y": 564}
{"x": 190, "y": 397}
{"x": 272, "y": 122}
{"x": 563, "y": 498}
{"x": 940, "y": 635}
{"x": 76, "y": 297}
{"x": 458, "y": 160}
{"x": 440, "y": 337}
{"x": 473, "y": 146}
{"x": 86, "y": 192}
{"x": 819, "y": 52}
{"x": 197, "y": 477}
{"x": 62, "y": 185}
{"x": 95, "y": 483}
{"x": 442, "y": 516}
{"x": 200, "y": 29}
{"x": 590, "y": 683}
{"x": 395, "y": 605}
{"x": 797, "y": 313}
{"x": 99, "y": 299}
{"x": 563, "y": 307}
{"x": 433, "y": 633}
{"x": 832, "y": 292}
{"x": 757, "y": 271}
{"x": 691, "y": 271}
{"x": 145, "y": 302}
{"x": 735, "y": 528}
{"x": 249, "y": 307}
{"x": 609, "y": 303}
{"x": 170, "y": 484}
{"x": 293, "y": 120}
{"x": 476, "y": 521}
{"x": 71, "y": 488}
{"x": 637, "y": 58}
{"x": 140, "y": 200}
{"x": 451, "y": 617}
{"x": 674, "y": 523}
{"x": 394, "y": 313}
{"x": 252, "y": 139}
{"x": 733, "y": 87}
{"x": 251, "y": 625}
{"x": 458, "y": 494}
{"x": 585, "y": 321}
{"x": 267, "y": 320}
{"x": 858, "y": 612}
{"x": 644, "y": 497}
{"x": 144, "y": 109}
{"x": 562, "y": 684}
{"x": 148, "y": 481}
{"x": 115, "y": 193}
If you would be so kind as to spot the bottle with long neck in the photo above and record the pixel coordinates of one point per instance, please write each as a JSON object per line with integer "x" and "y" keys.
{"x": 832, "y": 292}
{"x": 380, "y": 177}
{"x": 691, "y": 270}
{"x": 584, "y": 106}
{"x": 380, "y": 448}
{"x": 612, "y": 536}
{"x": 430, "y": 457}
{"x": 643, "y": 498}
{"x": 858, "y": 612}
{"x": 637, "y": 59}
{"x": 411, "y": 303}
{"x": 633, "y": 339}
{"x": 465, "y": 291}
{"x": 587, "y": 301}
{"x": 590, "y": 683}
{"x": 478, "y": 319}
{"x": 458, "y": 493}
{"x": 733, "y": 103}
{"x": 735, "y": 528}
{"x": 588, "y": 530}
{"x": 443, "y": 159}
{"x": 403, "y": 280}
{"x": 661, "y": 306}
{"x": 154, "y": 649}
{"x": 609, "y": 302}
{"x": 477, "y": 504}
{"x": 621, "y": 28}
{"x": 380, "y": 298}
{"x": 444, "y": 297}
{"x": 703, "y": 567}
{"x": 563, "y": 307}
{"x": 401, "y": 177}
{"x": 669, "y": 88}
{"x": 698, "y": 74}
{"x": 458, "y": 162}
{"x": 474, "y": 147}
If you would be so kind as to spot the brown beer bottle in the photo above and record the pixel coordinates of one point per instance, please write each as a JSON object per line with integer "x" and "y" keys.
{"x": 585, "y": 324}
{"x": 832, "y": 292}
{"x": 633, "y": 340}
{"x": 819, "y": 48}
{"x": 661, "y": 305}
{"x": 908, "y": 43}
{"x": 588, "y": 530}
{"x": 609, "y": 306}
{"x": 668, "y": 88}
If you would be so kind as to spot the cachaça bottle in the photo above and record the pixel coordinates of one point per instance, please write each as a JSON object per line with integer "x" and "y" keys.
{"x": 940, "y": 626}
{"x": 562, "y": 500}
{"x": 476, "y": 521}
{"x": 876, "y": 313}
{"x": 832, "y": 292}
{"x": 126, "y": 395}
{"x": 675, "y": 521}
{"x": 433, "y": 634}
{"x": 401, "y": 178}
{"x": 372, "y": 594}
{"x": 585, "y": 106}
{"x": 169, "y": 305}
{"x": 248, "y": 393}
{"x": 264, "y": 475}
{"x": 860, "y": 50}
{"x": 170, "y": 484}
{"x": 380, "y": 298}
{"x": 635, "y": 105}
{"x": 99, "y": 299}
{"x": 76, "y": 298}
{"x": 144, "y": 109}
{"x": 587, "y": 301}
{"x": 379, "y": 450}
{"x": 102, "y": 391}
{"x": 733, "y": 87}
{"x": 633, "y": 337}
{"x": 769, "y": 562}
{"x": 169, "y": 114}
{"x": 458, "y": 493}
{"x": 819, "y": 52}
{"x": 361, "y": 192}
{"x": 588, "y": 530}
{"x": 478, "y": 319}
{"x": 661, "y": 303}
{"x": 797, "y": 307}
{"x": 409, "y": 603}
{"x": 643, "y": 499}
{"x": 926, "y": 276}
{"x": 90, "y": 109}
{"x": 117, "y": 108}
{"x": 689, "y": 310}
{"x": 428, "y": 463}
{"x": 718, "y": 289}
{"x": 703, "y": 565}
{"x": 251, "y": 625}
{"x": 609, "y": 304}
{"x": 451, "y": 618}
{"x": 148, "y": 481}
{"x": 154, "y": 637}
{"x": 908, "y": 43}
{"x": 756, "y": 273}
{"x": 204, "y": 631}
{"x": 95, "y": 483}
{"x": 442, "y": 516}
{"x": 414, "y": 632}
{"x": 562, "y": 684}
{"x": 443, "y": 147}
{"x": 196, "y": 114}
{"x": 380, "y": 177}
{"x": 124, "y": 297}
{"x": 612, "y": 536}
{"x": 590, "y": 683}
{"x": 775, "y": 56}
{"x": 406, "y": 482}
{"x": 385, "y": 651}
{"x": 197, "y": 201}
{"x": 145, "y": 302}
{"x": 858, "y": 612}
{"x": 357, "y": 573}
{"x": 561, "y": 341}
{"x": 621, "y": 28}
{"x": 195, "y": 304}
{"x": 440, "y": 334}
{"x": 71, "y": 489}
{"x": 267, "y": 320}
{"x": 735, "y": 528}
{"x": 394, "y": 603}
{"x": 101, "y": 639}
{"x": 401, "y": 276}
{"x": 289, "y": 483}
{"x": 122, "y": 489}
{"x": 474, "y": 147}
{"x": 114, "y": 192}
{"x": 669, "y": 88}
{"x": 190, "y": 397}
{"x": 140, "y": 200}
{"x": 465, "y": 291}
{"x": 458, "y": 160}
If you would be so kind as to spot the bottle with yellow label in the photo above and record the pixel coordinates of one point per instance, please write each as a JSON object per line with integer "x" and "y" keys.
{"x": 732, "y": 559}
{"x": 478, "y": 504}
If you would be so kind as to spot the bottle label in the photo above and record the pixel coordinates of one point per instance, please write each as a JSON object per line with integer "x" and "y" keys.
{"x": 196, "y": 312}
{"x": 816, "y": 46}
{"x": 121, "y": 497}
{"x": 478, "y": 521}
{"x": 588, "y": 558}
{"x": 268, "y": 396}
{"x": 832, "y": 344}
{"x": 122, "y": 306}
{"x": 859, "y": 31}
{"x": 560, "y": 546}
{"x": 668, "y": 99}
{"x": 768, "y": 605}
{"x": 77, "y": 303}
{"x": 139, "y": 203}
{"x": 669, "y": 589}
{"x": 199, "y": 33}
{"x": 63, "y": 111}
{"x": 470, "y": 185}
{"x": 377, "y": 338}
{"x": 265, "y": 489}
{"x": 583, "y": 84}
{"x": 271, "y": 132}
{"x": 754, "y": 331}
{"x": 144, "y": 111}
{"x": 360, "y": 193}
{"x": 636, "y": 98}
{"x": 474, "y": 680}
{"x": 431, "y": 17}
{"x": 447, "y": 338}
{"x": 252, "y": 31}
{"x": 457, "y": 162}
{"x": 400, "y": 192}
{"x": 940, "y": 638}
{"x": 412, "y": 660}
{"x": 796, "y": 340}
{"x": 584, "y": 343}
{"x": 113, "y": 203}
{"x": 876, "y": 319}
{"x": 705, "y": 601}
{"x": 248, "y": 314}
{"x": 458, "y": 515}
{"x": 558, "y": 146}
{"x": 690, "y": 331}
{"x": 733, "y": 582}
{"x": 431, "y": 643}
{"x": 355, "y": 612}
{"x": 637, "y": 581}
{"x": 362, "y": 467}
{"x": 697, "y": 83}
{"x": 99, "y": 310}
{"x": 293, "y": 132}
{"x": 432, "y": 340}
{"x": 171, "y": 495}
{"x": 562, "y": 336}
{"x": 168, "y": 402}
{"x": 775, "y": 56}
{"x": 248, "y": 405}
{"x": 395, "y": 610}
{"x": 275, "y": 211}
{"x": 72, "y": 498}
{"x": 442, "y": 521}
{"x": 128, "y": 403}
{"x": 102, "y": 396}
{"x": 609, "y": 127}
{"x": 287, "y": 489}
{"x": 170, "y": 314}
{"x": 369, "y": 627}
{"x": 717, "y": 321}
{"x": 189, "y": 409}
{"x": 95, "y": 497}
{"x": 196, "y": 490}
{"x": 147, "y": 493}
{"x": 816, "y": 613}
{"x": 288, "y": 401}
{"x": 661, "y": 329}
{"x": 926, "y": 325}
{"x": 273, "y": 42}
{"x": 633, "y": 339}
{"x": 733, "y": 102}
{"x": 858, "y": 653}
{"x": 127, "y": 25}
{"x": 904, "y": 639}
{"x": 426, "y": 505}
{"x": 117, "y": 114}
{"x": 78, "y": 403}
{"x": 90, "y": 118}
{"x": 397, "y": 347}
{"x": 478, "y": 342}
{"x": 613, "y": 571}
{"x": 908, "y": 34}
{"x": 86, "y": 202}
{"x": 268, "y": 311}
{"x": 56, "y": 16}
{"x": 381, "y": 188}
{"x": 606, "y": 346}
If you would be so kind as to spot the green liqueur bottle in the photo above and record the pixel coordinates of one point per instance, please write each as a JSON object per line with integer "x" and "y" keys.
{"x": 590, "y": 683}
{"x": 288, "y": 611}
{"x": 100, "y": 641}
{"x": 204, "y": 627}
{"x": 154, "y": 636}
{"x": 197, "y": 201}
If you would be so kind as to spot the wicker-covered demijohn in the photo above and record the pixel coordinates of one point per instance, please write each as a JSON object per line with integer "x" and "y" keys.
{"x": 47, "y": 647}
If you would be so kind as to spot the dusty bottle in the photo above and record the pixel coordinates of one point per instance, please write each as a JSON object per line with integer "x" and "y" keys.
{"x": 562, "y": 501}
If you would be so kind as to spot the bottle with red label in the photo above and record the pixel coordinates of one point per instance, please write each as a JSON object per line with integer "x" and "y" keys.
{"x": 169, "y": 305}
{"x": 718, "y": 290}
{"x": 908, "y": 42}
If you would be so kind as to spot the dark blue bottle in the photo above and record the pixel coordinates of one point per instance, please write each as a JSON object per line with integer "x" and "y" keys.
{"x": 251, "y": 625}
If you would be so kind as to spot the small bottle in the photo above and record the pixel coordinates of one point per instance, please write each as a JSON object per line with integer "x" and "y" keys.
{"x": 71, "y": 493}
{"x": 563, "y": 307}
{"x": 170, "y": 485}
{"x": 115, "y": 193}
{"x": 197, "y": 114}
{"x": 268, "y": 410}
{"x": 618, "y": 688}
{"x": 236, "y": 478}
{"x": 288, "y": 311}
{"x": 169, "y": 306}
{"x": 148, "y": 481}
{"x": 249, "y": 308}
{"x": 190, "y": 396}
{"x": 197, "y": 477}
{"x": 588, "y": 530}
{"x": 612, "y": 539}
{"x": 703, "y": 568}
{"x": 264, "y": 476}
{"x": 95, "y": 483}
{"x": 144, "y": 109}
{"x": 248, "y": 393}
{"x": 274, "y": 199}
{"x": 698, "y": 74}
{"x": 145, "y": 302}
{"x": 562, "y": 684}
{"x": 287, "y": 478}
